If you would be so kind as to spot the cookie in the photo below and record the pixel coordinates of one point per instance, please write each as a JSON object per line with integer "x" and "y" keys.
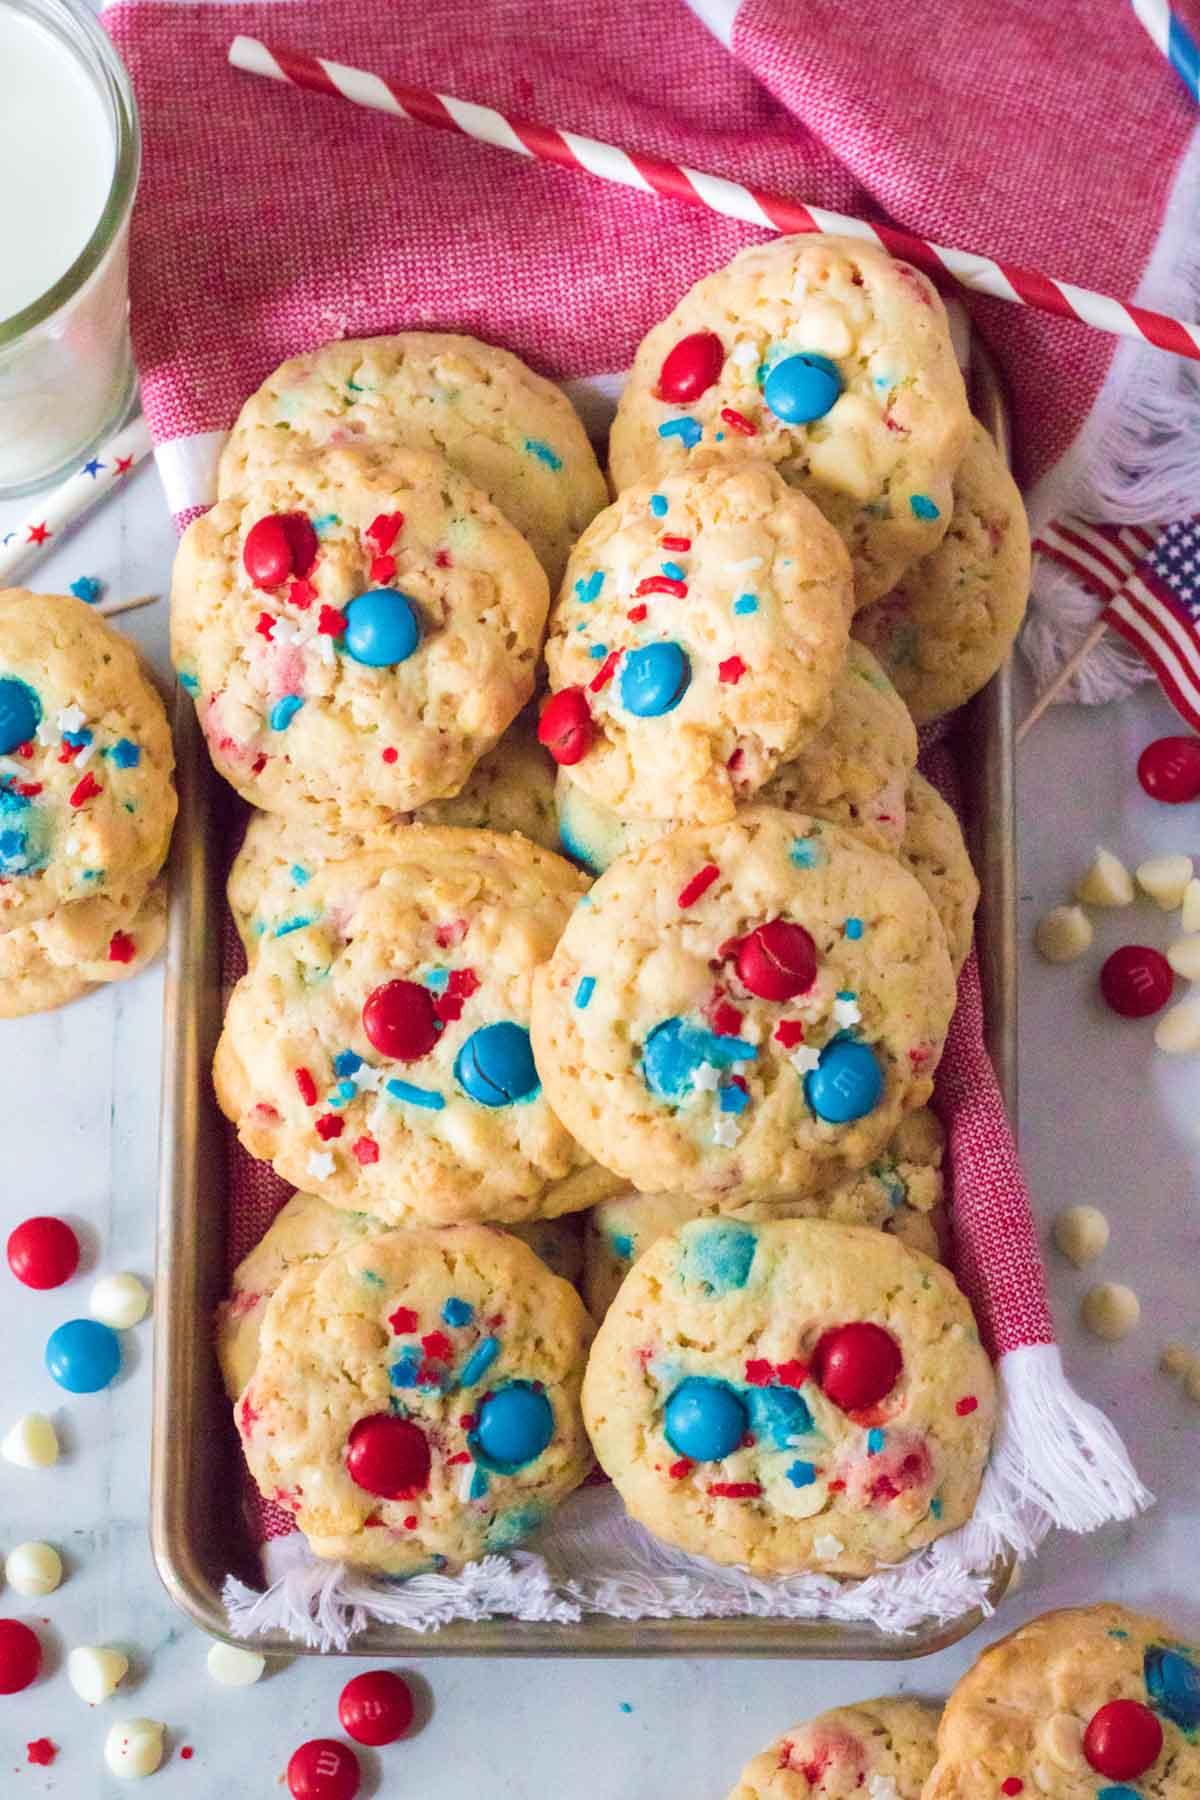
{"x": 377, "y": 1050}
{"x": 507, "y": 430}
{"x": 883, "y": 1749}
{"x": 307, "y": 1229}
{"x": 791, "y": 1396}
{"x": 902, "y": 1191}
{"x": 1090, "y": 1701}
{"x": 415, "y": 1402}
{"x": 827, "y": 358}
{"x": 854, "y": 772}
{"x": 746, "y": 1009}
{"x": 83, "y": 945}
{"x": 935, "y": 851}
{"x": 945, "y": 629}
{"x": 87, "y": 798}
{"x": 357, "y": 628}
{"x": 695, "y": 643}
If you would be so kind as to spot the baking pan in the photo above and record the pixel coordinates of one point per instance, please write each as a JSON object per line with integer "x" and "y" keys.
{"x": 197, "y": 1531}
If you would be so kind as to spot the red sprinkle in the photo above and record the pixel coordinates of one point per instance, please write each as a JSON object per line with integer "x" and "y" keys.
{"x": 735, "y": 1490}
{"x": 789, "y": 1033}
{"x": 660, "y": 584}
{"x": 307, "y": 1086}
{"x": 791, "y": 1374}
{"x": 1012, "y": 1785}
{"x": 726, "y": 1020}
{"x": 449, "y": 935}
{"x": 967, "y": 1405}
{"x": 330, "y": 1125}
{"x": 732, "y": 669}
{"x": 468, "y": 1422}
{"x": 463, "y": 983}
{"x": 187, "y": 1753}
{"x": 384, "y": 530}
{"x": 402, "y": 1320}
{"x": 636, "y": 614}
{"x": 437, "y": 1347}
{"x": 383, "y": 568}
{"x": 26, "y": 749}
{"x": 410, "y": 1523}
{"x": 265, "y": 626}
{"x": 258, "y": 765}
{"x": 41, "y": 1752}
{"x": 736, "y": 760}
{"x": 121, "y": 947}
{"x": 28, "y": 790}
{"x": 69, "y": 752}
{"x": 835, "y": 1487}
{"x": 738, "y": 422}
{"x": 442, "y": 559}
{"x": 460, "y": 1456}
{"x": 389, "y": 755}
{"x": 679, "y": 1469}
{"x": 364, "y": 1150}
{"x": 605, "y": 672}
{"x": 758, "y": 1372}
{"x": 699, "y": 884}
{"x": 302, "y": 594}
{"x": 675, "y": 543}
{"x": 331, "y": 621}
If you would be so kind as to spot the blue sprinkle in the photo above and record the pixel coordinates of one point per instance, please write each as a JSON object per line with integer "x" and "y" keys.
{"x": 779, "y": 1415}
{"x": 589, "y": 590}
{"x": 923, "y": 507}
{"x": 299, "y": 875}
{"x": 188, "y": 683}
{"x": 745, "y": 603}
{"x": 622, "y": 1245}
{"x": 404, "y": 1370}
{"x": 846, "y": 994}
{"x": 355, "y": 388}
{"x": 720, "y": 437}
{"x": 598, "y": 651}
{"x": 626, "y": 1707}
{"x": 290, "y": 925}
{"x": 733, "y": 1099}
{"x": 874, "y": 1442}
{"x": 322, "y": 523}
{"x": 688, "y": 431}
{"x": 479, "y": 1362}
{"x": 806, "y": 853}
{"x": 584, "y": 991}
{"x": 673, "y": 571}
{"x": 544, "y": 453}
{"x": 438, "y": 980}
{"x": 658, "y": 505}
{"x": 935, "y": 1506}
{"x": 284, "y": 711}
{"x": 479, "y": 1484}
{"x": 346, "y": 1091}
{"x": 1118, "y": 1634}
{"x": 883, "y": 381}
{"x": 854, "y": 928}
{"x": 125, "y": 753}
{"x": 1120, "y": 1792}
{"x": 718, "y": 1256}
{"x": 87, "y": 588}
{"x": 92, "y": 874}
{"x": 416, "y": 1096}
{"x": 372, "y": 1279}
{"x": 346, "y": 1062}
{"x": 457, "y": 1312}
{"x": 802, "y": 1474}
{"x": 77, "y": 739}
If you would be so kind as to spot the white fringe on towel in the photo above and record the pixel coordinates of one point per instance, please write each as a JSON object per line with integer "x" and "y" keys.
{"x": 1056, "y": 1461}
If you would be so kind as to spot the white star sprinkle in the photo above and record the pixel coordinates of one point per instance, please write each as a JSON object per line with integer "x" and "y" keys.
{"x": 805, "y": 1058}
{"x": 828, "y": 1546}
{"x": 71, "y": 718}
{"x": 846, "y": 1012}
{"x": 321, "y": 1164}
{"x": 366, "y": 1079}
{"x": 706, "y": 1078}
{"x": 726, "y": 1131}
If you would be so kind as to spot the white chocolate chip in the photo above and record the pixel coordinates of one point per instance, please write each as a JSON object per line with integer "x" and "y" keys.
{"x": 95, "y": 1673}
{"x": 882, "y": 1787}
{"x": 1081, "y": 1233}
{"x": 1165, "y": 879}
{"x": 1063, "y": 934}
{"x": 119, "y": 1300}
{"x": 1184, "y": 956}
{"x": 1107, "y": 883}
{"x": 1062, "y": 1741}
{"x": 1110, "y": 1310}
{"x": 33, "y": 1569}
{"x": 1176, "y": 1359}
{"x": 134, "y": 1747}
{"x": 32, "y": 1443}
{"x": 827, "y": 1547}
{"x": 1178, "y": 1031}
{"x": 232, "y": 1666}
{"x": 1189, "y": 918}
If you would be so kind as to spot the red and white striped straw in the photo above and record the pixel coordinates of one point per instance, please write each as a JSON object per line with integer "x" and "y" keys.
{"x": 735, "y": 199}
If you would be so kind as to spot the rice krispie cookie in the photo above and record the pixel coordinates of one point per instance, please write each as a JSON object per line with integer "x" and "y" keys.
{"x": 1090, "y": 1703}
{"x": 308, "y": 1228}
{"x": 902, "y": 1191}
{"x": 881, "y": 1749}
{"x": 357, "y": 628}
{"x": 791, "y": 1396}
{"x": 949, "y": 624}
{"x": 377, "y": 1051}
{"x": 415, "y": 1402}
{"x": 854, "y": 772}
{"x": 82, "y": 945}
{"x": 87, "y": 800}
{"x": 935, "y": 851}
{"x": 696, "y": 641}
{"x": 746, "y": 1009}
{"x": 828, "y": 358}
{"x": 507, "y": 430}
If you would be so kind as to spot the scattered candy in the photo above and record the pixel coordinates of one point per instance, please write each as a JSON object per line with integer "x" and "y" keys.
{"x": 1063, "y": 934}
{"x": 1178, "y": 1031}
{"x": 856, "y": 1365}
{"x": 33, "y": 1569}
{"x": 1184, "y": 957}
{"x": 802, "y": 388}
{"x": 1110, "y": 1310}
{"x": 41, "y": 1752}
{"x": 777, "y": 961}
{"x": 87, "y": 588}
{"x": 846, "y": 1084}
{"x": 654, "y": 680}
{"x": 513, "y": 1427}
{"x": 96, "y": 1674}
{"x": 134, "y": 1748}
{"x": 388, "y": 1456}
{"x": 690, "y": 368}
{"x": 1106, "y": 883}
{"x": 565, "y": 727}
{"x": 1136, "y": 981}
{"x": 19, "y": 714}
{"x": 400, "y": 1020}
{"x": 231, "y": 1666}
{"x": 1189, "y": 913}
{"x": 20, "y": 1656}
{"x": 1169, "y": 769}
{"x": 383, "y": 627}
{"x": 83, "y": 1356}
{"x": 43, "y": 1252}
{"x": 32, "y": 1443}
{"x": 1081, "y": 1233}
{"x": 495, "y": 1066}
{"x": 323, "y": 1769}
{"x": 119, "y": 1301}
{"x": 280, "y": 545}
{"x": 1165, "y": 879}
{"x": 1123, "y": 1739}
{"x": 704, "y": 1420}
{"x": 375, "y": 1708}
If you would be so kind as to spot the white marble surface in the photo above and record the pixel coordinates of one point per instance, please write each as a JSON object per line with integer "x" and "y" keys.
{"x": 1104, "y": 1119}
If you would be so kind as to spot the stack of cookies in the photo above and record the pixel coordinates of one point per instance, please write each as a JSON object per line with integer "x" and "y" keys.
{"x": 675, "y": 947}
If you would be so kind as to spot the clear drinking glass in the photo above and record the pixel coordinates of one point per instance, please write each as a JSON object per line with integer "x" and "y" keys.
{"x": 66, "y": 371}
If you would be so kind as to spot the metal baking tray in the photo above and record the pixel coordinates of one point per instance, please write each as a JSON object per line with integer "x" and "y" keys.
{"x": 197, "y": 1533}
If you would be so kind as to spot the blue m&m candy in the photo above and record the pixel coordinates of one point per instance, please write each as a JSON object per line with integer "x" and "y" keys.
{"x": 1173, "y": 1684}
{"x": 382, "y": 628}
{"x": 704, "y": 1420}
{"x": 513, "y": 1426}
{"x": 19, "y": 714}
{"x": 654, "y": 680}
{"x": 847, "y": 1083}
{"x": 496, "y": 1065}
{"x": 802, "y": 388}
{"x": 83, "y": 1356}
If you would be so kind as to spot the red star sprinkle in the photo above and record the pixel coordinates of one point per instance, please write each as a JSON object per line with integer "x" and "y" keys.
{"x": 307, "y": 1086}
{"x": 735, "y": 1490}
{"x": 301, "y": 594}
{"x": 437, "y": 1347}
{"x": 265, "y": 626}
{"x": 331, "y": 621}
{"x": 789, "y": 1032}
{"x": 726, "y": 1020}
{"x": 329, "y": 1125}
{"x": 636, "y": 614}
{"x": 38, "y": 534}
{"x": 660, "y": 584}
{"x": 384, "y": 530}
{"x": 442, "y": 559}
{"x": 121, "y": 947}
{"x": 383, "y": 568}
{"x": 87, "y": 789}
{"x": 966, "y": 1406}
{"x": 402, "y": 1320}
{"x": 463, "y": 983}
{"x": 675, "y": 543}
{"x": 699, "y": 884}
{"x": 791, "y": 1374}
{"x": 732, "y": 669}
{"x": 737, "y": 421}
{"x": 679, "y": 1469}
{"x": 758, "y": 1371}
{"x": 124, "y": 464}
{"x": 365, "y": 1150}
{"x": 605, "y": 673}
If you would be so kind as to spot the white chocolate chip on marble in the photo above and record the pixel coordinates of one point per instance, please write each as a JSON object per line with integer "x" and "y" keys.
{"x": 32, "y": 1443}
{"x": 1165, "y": 879}
{"x": 119, "y": 1300}
{"x": 1062, "y": 1741}
{"x": 1081, "y": 1233}
{"x": 1063, "y": 934}
{"x": 33, "y": 1569}
{"x": 1110, "y": 1310}
{"x": 1189, "y": 918}
{"x": 96, "y": 1672}
{"x": 232, "y": 1666}
{"x": 1106, "y": 883}
{"x": 134, "y": 1747}
{"x": 1178, "y": 1031}
{"x": 1184, "y": 956}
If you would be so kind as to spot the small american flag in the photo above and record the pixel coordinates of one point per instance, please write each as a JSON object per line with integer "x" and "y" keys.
{"x": 1148, "y": 577}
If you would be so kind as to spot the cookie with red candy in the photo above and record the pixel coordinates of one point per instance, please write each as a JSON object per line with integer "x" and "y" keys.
{"x": 883, "y": 1749}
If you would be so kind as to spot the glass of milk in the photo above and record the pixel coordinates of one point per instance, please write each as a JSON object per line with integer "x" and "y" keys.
{"x": 69, "y": 157}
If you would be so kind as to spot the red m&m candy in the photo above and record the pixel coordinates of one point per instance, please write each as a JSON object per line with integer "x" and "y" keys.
{"x": 690, "y": 369}
{"x": 1136, "y": 981}
{"x": 777, "y": 961}
{"x": 20, "y": 1656}
{"x": 43, "y": 1252}
{"x": 323, "y": 1769}
{"x": 1123, "y": 1739}
{"x": 388, "y": 1456}
{"x": 400, "y": 1020}
{"x": 565, "y": 727}
{"x": 1169, "y": 769}
{"x": 278, "y": 546}
{"x": 375, "y": 1708}
{"x": 856, "y": 1365}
